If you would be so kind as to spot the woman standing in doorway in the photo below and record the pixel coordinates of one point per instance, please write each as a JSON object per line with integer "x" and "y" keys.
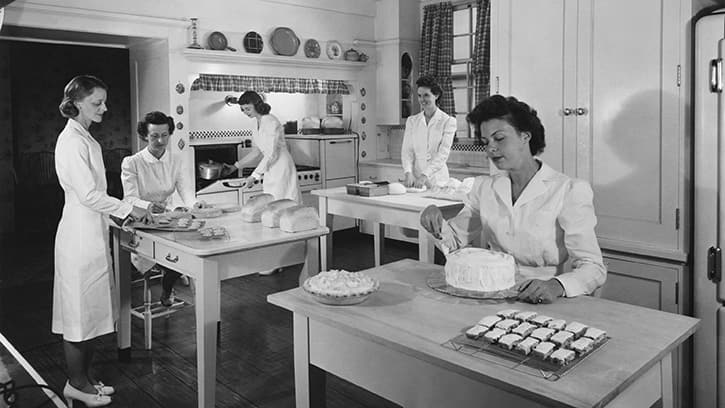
{"x": 82, "y": 307}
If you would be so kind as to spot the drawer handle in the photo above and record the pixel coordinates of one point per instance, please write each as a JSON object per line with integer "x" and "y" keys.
{"x": 373, "y": 177}
{"x": 173, "y": 260}
{"x": 340, "y": 141}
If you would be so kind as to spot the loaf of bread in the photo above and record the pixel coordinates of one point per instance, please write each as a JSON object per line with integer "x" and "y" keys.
{"x": 298, "y": 218}
{"x": 271, "y": 213}
{"x": 252, "y": 211}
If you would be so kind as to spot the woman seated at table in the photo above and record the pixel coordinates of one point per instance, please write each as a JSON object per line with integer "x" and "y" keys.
{"x": 150, "y": 178}
{"x": 541, "y": 217}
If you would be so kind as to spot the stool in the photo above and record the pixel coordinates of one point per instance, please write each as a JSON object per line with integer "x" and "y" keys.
{"x": 151, "y": 309}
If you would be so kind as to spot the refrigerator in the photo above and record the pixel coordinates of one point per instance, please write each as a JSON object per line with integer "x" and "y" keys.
{"x": 709, "y": 211}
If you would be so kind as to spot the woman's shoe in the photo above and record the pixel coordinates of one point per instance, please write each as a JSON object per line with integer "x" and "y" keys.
{"x": 271, "y": 272}
{"x": 104, "y": 389}
{"x": 71, "y": 394}
{"x": 167, "y": 298}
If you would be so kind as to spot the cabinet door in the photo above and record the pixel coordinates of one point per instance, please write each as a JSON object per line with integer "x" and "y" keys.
{"x": 532, "y": 40}
{"x": 628, "y": 137}
{"x": 340, "y": 159}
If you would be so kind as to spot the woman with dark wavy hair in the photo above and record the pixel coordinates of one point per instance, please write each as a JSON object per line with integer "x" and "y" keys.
{"x": 150, "y": 178}
{"x": 82, "y": 284}
{"x": 541, "y": 217}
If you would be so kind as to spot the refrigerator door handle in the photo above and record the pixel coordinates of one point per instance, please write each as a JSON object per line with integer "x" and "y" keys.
{"x": 714, "y": 259}
{"x": 716, "y": 75}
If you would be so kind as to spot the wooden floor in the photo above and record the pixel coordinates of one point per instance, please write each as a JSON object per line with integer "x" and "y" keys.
{"x": 254, "y": 358}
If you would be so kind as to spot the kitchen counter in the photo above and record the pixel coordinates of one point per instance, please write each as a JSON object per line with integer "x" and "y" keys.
{"x": 452, "y": 167}
{"x": 395, "y": 345}
{"x": 321, "y": 136}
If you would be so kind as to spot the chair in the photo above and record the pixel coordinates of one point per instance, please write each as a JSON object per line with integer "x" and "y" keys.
{"x": 151, "y": 309}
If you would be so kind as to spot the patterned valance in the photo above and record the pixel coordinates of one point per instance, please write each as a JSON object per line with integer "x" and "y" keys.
{"x": 241, "y": 83}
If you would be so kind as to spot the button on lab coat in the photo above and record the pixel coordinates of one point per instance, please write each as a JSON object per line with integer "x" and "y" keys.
{"x": 82, "y": 307}
{"x": 426, "y": 146}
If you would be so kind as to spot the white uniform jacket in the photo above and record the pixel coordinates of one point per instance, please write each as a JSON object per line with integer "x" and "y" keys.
{"x": 426, "y": 146}
{"x": 552, "y": 222}
{"x": 277, "y": 166}
{"x": 82, "y": 307}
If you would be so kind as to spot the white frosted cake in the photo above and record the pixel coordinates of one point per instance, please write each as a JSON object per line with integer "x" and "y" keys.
{"x": 480, "y": 270}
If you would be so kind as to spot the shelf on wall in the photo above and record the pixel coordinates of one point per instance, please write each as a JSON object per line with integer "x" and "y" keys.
{"x": 243, "y": 57}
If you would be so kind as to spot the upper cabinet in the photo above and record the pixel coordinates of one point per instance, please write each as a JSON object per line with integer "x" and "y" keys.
{"x": 605, "y": 79}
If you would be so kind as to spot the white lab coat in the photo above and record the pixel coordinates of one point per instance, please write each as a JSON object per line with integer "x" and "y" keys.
{"x": 426, "y": 146}
{"x": 82, "y": 307}
{"x": 147, "y": 179}
{"x": 277, "y": 166}
{"x": 551, "y": 223}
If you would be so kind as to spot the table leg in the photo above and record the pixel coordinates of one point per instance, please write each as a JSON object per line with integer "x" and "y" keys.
{"x": 122, "y": 296}
{"x": 379, "y": 242}
{"x": 325, "y": 240}
{"x": 309, "y": 380}
{"x": 312, "y": 259}
{"x": 668, "y": 389}
{"x": 426, "y": 250}
{"x": 207, "y": 316}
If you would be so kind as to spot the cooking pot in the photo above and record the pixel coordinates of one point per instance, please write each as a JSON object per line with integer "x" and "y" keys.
{"x": 210, "y": 170}
{"x": 218, "y": 41}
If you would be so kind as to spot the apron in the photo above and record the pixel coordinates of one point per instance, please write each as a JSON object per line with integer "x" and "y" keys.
{"x": 280, "y": 175}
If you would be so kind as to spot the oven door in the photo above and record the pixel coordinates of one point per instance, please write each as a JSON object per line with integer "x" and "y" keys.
{"x": 337, "y": 159}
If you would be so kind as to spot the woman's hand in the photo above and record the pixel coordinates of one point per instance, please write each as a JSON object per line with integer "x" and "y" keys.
{"x": 540, "y": 291}
{"x": 250, "y": 182}
{"x": 157, "y": 207}
{"x": 200, "y": 204}
{"x": 421, "y": 181}
{"x": 409, "y": 179}
{"x": 228, "y": 169}
{"x": 139, "y": 214}
{"x": 432, "y": 220}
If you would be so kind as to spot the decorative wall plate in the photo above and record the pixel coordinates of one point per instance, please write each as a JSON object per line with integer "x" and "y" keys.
{"x": 253, "y": 42}
{"x": 284, "y": 41}
{"x": 312, "y": 48}
{"x": 334, "y": 50}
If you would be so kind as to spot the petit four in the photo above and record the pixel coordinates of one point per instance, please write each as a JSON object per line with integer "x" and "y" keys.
{"x": 508, "y": 313}
{"x": 595, "y": 334}
{"x": 556, "y": 324}
{"x": 562, "y": 338}
{"x": 576, "y": 328}
{"x": 524, "y": 329}
{"x": 476, "y": 331}
{"x": 541, "y": 320}
{"x": 489, "y": 321}
{"x": 582, "y": 346}
{"x": 509, "y": 341}
{"x": 542, "y": 333}
{"x": 526, "y": 345}
{"x": 543, "y": 349}
{"x": 493, "y": 335}
{"x": 562, "y": 356}
{"x": 507, "y": 324}
{"x": 525, "y": 316}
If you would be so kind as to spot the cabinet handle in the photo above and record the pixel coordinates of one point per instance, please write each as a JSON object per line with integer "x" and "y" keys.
{"x": 716, "y": 75}
{"x": 581, "y": 111}
{"x": 373, "y": 177}
{"x": 173, "y": 260}
{"x": 340, "y": 141}
{"x": 567, "y": 111}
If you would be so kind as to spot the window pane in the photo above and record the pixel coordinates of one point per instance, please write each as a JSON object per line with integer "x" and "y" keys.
{"x": 461, "y": 21}
{"x": 460, "y": 98}
{"x": 461, "y": 47}
{"x": 463, "y": 129}
{"x": 460, "y": 82}
{"x": 459, "y": 69}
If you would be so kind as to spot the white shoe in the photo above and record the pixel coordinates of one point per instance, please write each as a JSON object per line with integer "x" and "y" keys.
{"x": 271, "y": 271}
{"x": 104, "y": 389}
{"x": 72, "y": 393}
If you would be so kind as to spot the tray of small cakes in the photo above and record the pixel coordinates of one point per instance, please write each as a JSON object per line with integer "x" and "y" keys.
{"x": 526, "y": 341}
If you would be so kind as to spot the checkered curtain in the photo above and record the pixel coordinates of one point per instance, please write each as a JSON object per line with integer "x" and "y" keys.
{"x": 436, "y": 50}
{"x": 482, "y": 52}
{"x": 241, "y": 83}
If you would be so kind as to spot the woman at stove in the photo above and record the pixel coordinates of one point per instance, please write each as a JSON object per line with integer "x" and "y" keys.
{"x": 543, "y": 218}
{"x": 150, "y": 178}
{"x": 276, "y": 164}
{"x": 427, "y": 139}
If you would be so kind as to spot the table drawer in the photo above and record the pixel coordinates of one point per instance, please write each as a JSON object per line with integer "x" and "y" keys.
{"x": 137, "y": 244}
{"x": 176, "y": 259}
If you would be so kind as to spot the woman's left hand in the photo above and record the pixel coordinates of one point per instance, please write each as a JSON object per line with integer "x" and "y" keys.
{"x": 250, "y": 182}
{"x": 540, "y": 291}
{"x": 421, "y": 181}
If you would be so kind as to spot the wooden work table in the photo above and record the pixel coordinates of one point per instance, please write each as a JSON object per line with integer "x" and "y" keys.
{"x": 249, "y": 248}
{"x": 393, "y": 345}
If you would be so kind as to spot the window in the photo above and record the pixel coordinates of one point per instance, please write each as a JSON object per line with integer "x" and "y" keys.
{"x": 464, "y": 28}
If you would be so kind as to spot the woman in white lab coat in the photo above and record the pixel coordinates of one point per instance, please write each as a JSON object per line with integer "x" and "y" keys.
{"x": 427, "y": 139}
{"x": 150, "y": 178}
{"x": 543, "y": 218}
{"x": 277, "y": 166}
{"x": 82, "y": 307}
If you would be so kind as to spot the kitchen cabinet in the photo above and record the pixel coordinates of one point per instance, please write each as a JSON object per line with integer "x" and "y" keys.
{"x": 657, "y": 285}
{"x": 605, "y": 78}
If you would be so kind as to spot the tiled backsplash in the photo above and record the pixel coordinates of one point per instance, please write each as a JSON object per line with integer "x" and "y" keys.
{"x": 462, "y": 154}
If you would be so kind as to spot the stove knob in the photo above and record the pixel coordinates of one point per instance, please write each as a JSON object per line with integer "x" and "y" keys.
{"x": 317, "y": 177}
{"x": 248, "y": 143}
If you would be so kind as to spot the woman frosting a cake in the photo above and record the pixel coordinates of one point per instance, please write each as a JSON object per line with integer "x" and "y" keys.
{"x": 525, "y": 208}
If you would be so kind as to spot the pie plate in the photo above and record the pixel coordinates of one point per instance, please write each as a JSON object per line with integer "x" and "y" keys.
{"x": 338, "y": 299}
{"x": 285, "y": 41}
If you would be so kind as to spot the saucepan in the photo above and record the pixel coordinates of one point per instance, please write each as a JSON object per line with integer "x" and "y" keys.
{"x": 210, "y": 170}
